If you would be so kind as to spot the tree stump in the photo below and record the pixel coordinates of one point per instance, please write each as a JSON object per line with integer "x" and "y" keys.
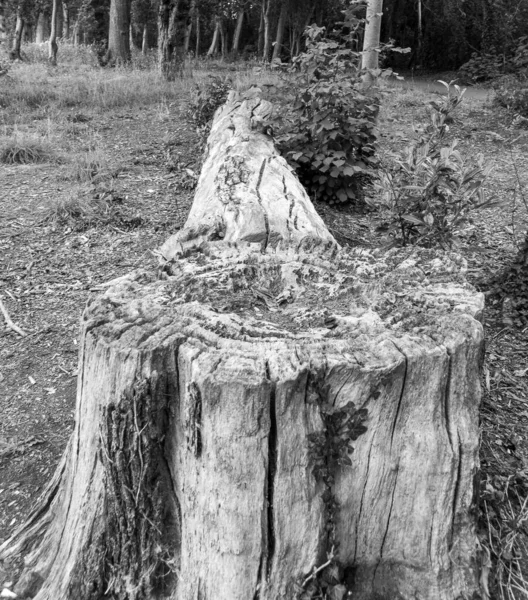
{"x": 219, "y": 399}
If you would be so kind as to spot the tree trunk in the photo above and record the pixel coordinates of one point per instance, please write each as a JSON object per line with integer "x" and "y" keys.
{"x": 238, "y": 31}
{"x": 280, "y": 30}
{"x": 17, "y": 39}
{"x": 260, "y": 41}
{"x": 216, "y": 38}
{"x": 42, "y": 28}
{"x": 52, "y": 53}
{"x": 223, "y": 39}
{"x": 266, "y": 13}
{"x": 188, "y": 28}
{"x": 3, "y": 34}
{"x": 119, "y": 32}
{"x": 215, "y": 403}
{"x": 172, "y": 20}
{"x": 144, "y": 40}
{"x": 372, "y": 37}
{"x": 198, "y": 34}
{"x": 65, "y": 21}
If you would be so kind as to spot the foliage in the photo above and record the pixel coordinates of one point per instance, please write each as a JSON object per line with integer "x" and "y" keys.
{"x": 329, "y": 450}
{"x": 428, "y": 189}
{"x": 513, "y": 95}
{"x": 206, "y": 99}
{"x": 24, "y": 149}
{"x": 329, "y": 138}
{"x": 481, "y": 67}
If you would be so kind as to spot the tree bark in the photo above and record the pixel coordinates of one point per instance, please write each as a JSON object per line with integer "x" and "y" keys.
{"x": 280, "y": 30}
{"x": 119, "y": 32}
{"x": 172, "y": 21}
{"x": 204, "y": 389}
{"x": 144, "y": 40}
{"x": 266, "y": 14}
{"x": 188, "y": 29}
{"x": 238, "y": 31}
{"x": 213, "y": 48}
{"x": 198, "y": 34}
{"x": 3, "y": 34}
{"x": 17, "y": 39}
{"x": 372, "y": 36}
{"x": 42, "y": 28}
{"x": 65, "y": 21}
{"x": 52, "y": 52}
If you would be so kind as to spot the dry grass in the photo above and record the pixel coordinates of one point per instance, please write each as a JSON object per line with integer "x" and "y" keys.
{"x": 23, "y": 148}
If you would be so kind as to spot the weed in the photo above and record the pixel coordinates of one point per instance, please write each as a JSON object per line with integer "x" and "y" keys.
{"x": 330, "y": 134}
{"x": 86, "y": 167}
{"x": 23, "y": 148}
{"x": 329, "y": 451}
{"x": 428, "y": 190}
{"x": 206, "y": 98}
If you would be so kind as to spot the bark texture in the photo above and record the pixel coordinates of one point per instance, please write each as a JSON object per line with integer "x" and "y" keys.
{"x": 190, "y": 473}
{"x": 372, "y": 34}
{"x": 119, "y": 32}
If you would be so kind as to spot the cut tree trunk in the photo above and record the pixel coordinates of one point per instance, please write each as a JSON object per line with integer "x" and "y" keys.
{"x": 214, "y": 395}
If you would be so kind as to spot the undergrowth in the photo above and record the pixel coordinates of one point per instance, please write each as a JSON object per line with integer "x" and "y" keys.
{"x": 21, "y": 148}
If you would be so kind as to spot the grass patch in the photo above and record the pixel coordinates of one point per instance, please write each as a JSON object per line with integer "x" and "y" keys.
{"x": 84, "y": 207}
{"x": 22, "y": 149}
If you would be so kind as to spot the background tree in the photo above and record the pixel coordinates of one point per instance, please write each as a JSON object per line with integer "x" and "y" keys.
{"x": 119, "y": 32}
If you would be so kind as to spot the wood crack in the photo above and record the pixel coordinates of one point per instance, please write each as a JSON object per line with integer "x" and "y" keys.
{"x": 259, "y": 198}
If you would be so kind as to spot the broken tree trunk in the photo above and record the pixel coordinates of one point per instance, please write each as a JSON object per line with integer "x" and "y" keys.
{"x": 217, "y": 400}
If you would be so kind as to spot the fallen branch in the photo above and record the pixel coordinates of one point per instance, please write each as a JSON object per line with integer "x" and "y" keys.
{"x": 10, "y": 323}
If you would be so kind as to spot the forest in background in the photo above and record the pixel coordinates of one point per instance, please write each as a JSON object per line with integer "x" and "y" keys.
{"x": 441, "y": 34}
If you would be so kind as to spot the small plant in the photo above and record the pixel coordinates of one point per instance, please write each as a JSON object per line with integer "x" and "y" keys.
{"x": 330, "y": 450}
{"x": 513, "y": 95}
{"x": 429, "y": 189}
{"x": 329, "y": 135}
{"x": 24, "y": 149}
{"x": 206, "y": 99}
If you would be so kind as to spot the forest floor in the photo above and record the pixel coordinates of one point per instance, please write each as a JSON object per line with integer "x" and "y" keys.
{"x": 115, "y": 179}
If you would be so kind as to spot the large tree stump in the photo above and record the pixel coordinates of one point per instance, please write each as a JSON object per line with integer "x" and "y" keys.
{"x": 208, "y": 394}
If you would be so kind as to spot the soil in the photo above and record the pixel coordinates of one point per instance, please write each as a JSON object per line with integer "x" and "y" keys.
{"x": 50, "y": 268}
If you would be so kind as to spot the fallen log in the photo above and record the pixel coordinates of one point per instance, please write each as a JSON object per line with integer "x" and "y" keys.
{"x": 219, "y": 402}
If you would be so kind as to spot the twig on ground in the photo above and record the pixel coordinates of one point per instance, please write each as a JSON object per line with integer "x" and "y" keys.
{"x": 10, "y": 323}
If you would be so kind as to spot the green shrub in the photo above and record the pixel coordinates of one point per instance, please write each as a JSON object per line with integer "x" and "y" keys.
{"x": 206, "y": 99}
{"x": 428, "y": 190}
{"x": 512, "y": 94}
{"x": 328, "y": 134}
{"x": 482, "y": 67}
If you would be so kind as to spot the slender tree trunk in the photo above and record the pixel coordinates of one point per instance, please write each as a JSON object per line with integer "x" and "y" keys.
{"x": 213, "y": 48}
{"x": 76, "y": 32}
{"x": 223, "y": 39}
{"x": 372, "y": 38}
{"x": 42, "y": 28}
{"x": 144, "y": 40}
{"x": 52, "y": 54}
{"x": 119, "y": 32}
{"x": 238, "y": 31}
{"x": 219, "y": 400}
{"x": 266, "y": 51}
{"x": 198, "y": 34}
{"x": 3, "y": 33}
{"x": 280, "y": 30}
{"x": 188, "y": 29}
{"x": 260, "y": 47}
{"x": 17, "y": 39}
{"x": 66, "y": 21}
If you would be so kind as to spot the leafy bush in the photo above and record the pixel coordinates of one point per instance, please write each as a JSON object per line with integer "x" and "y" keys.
{"x": 429, "y": 189}
{"x": 481, "y": 67}
{"x": 329, "y": 134}
{"x": 513, "y": 95}
{"x": 206, "y": 99}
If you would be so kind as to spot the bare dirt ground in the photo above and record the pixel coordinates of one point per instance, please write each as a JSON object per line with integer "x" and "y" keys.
{"x": 50, "y": 267}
